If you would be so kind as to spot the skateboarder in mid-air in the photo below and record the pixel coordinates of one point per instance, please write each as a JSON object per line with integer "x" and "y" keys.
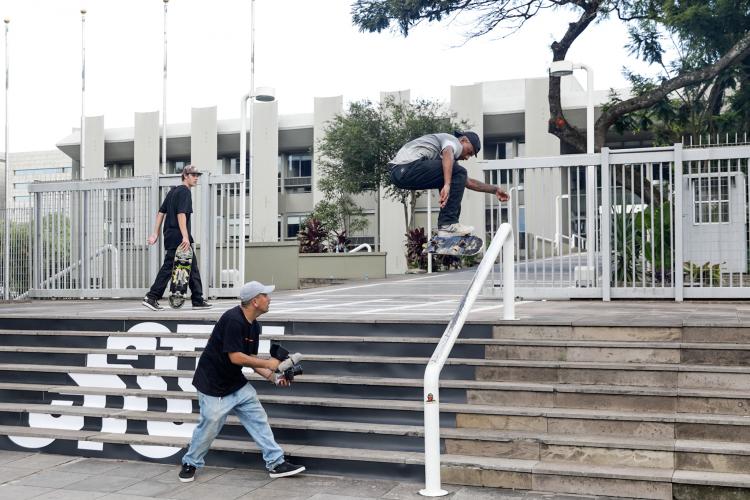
{"x": 175, "y": 212}
{"x": 431, "y": 162}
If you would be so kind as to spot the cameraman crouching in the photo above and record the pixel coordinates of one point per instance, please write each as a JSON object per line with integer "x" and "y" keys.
{"x": 222, "y": 387}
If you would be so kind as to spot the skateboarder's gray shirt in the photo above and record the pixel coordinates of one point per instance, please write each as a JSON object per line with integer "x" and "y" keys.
{"x": 427, "y": 147}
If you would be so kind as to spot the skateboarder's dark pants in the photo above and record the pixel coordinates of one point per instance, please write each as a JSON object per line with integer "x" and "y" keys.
{"x": 165, "y": 274}
{"x": 428, "y": 174}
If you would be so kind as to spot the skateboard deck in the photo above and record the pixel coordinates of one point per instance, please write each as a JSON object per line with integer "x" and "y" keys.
{"x": 178, "y": 283}
{"x": 454, "y": 245}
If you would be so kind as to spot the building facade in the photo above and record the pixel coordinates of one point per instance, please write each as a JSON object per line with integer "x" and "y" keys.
{"x": 511, "y": 117}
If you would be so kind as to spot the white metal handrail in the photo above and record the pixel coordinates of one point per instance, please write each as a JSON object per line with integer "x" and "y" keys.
{"x": 503, "y": 240}
{"x": 114, "y": 255}
{"x": 363, "y": 246}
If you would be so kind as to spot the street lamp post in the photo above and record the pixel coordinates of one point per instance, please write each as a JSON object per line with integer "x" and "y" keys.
{"x": 164, "y": 99}
{"x": 261, "y": 94}
{"x": 82, "y": 170}
{"x": 8, "y": 191}
{"x": 564, "y": 68}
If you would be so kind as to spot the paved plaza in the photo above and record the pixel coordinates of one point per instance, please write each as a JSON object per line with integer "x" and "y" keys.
{"x": 40, "y": 476}
{"x": 432, "y": 297}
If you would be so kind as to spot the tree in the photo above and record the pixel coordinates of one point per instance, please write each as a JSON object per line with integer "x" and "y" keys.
{"x": 711, "y": 59}
{"x": 358, "y": 145}
{"x": 339, "y": 216}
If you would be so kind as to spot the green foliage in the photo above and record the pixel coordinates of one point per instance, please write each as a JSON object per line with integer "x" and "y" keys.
{"x": 674, "y": 37}
{"x": 416, "y": 240}
{"x": 338, "y": 216}
{"x": 358, "y": 145}
{"x": 312, "y": 237}
{"x": 640, "y": 245}
{"x": 702, "y": 274}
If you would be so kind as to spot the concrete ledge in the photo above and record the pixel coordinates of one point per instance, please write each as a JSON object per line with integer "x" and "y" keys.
{"x": 364, "y": 265}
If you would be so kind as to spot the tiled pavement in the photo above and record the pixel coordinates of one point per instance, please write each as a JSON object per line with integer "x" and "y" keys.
{"x": 41, "y": 476}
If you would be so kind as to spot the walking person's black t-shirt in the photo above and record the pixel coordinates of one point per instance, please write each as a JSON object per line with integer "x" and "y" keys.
{"x": 177, "y": 201}
{"x": 216, "y": 375}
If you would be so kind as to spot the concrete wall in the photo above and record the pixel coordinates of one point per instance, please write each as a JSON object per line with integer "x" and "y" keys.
{"x": 274, "y": 263}
{"x": 722, "y": 243}
{"x": 264, "y": 168}
{"x": 360, "y": 265}
{"x": 541, "y": 186}
{"x": 203, "y": 139}
{"x": 94, "y": 148}
{"x": 467, "y": 103}
{"x": 392, "y": 224}
{"x": 324, "y": 110}
{"x": 146, "y": 146}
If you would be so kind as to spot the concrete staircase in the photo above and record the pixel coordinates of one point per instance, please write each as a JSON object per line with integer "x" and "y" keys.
{"x": 641, "y": 412}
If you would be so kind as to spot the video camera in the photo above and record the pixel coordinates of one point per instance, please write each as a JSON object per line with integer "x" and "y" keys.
{"x": 289, "y": 366}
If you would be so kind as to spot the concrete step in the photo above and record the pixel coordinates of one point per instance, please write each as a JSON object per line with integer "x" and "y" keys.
{"x": 654, "y": 333}
{"x": 502, "y": 370}
{"x": 573, "y": 421}
{"x": 617, "y": 397}
{"x": 539, "y": 475}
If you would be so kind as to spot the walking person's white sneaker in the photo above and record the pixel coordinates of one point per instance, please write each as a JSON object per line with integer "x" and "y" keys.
{"x": 454, "y": 230}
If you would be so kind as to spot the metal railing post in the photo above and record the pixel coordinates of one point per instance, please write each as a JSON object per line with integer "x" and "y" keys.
{"x": 605, "y": 240}
{"x": 504, "y": 241}
{"x": 677, "y": 221}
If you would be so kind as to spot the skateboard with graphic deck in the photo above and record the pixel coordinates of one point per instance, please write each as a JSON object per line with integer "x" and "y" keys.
{"x": 178, "y": 283}
{"x": 454, "y": 245}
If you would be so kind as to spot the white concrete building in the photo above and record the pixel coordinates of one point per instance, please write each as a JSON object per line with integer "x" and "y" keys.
{"x": 511, "y": 116}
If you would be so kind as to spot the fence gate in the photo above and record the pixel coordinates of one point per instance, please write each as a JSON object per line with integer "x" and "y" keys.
{"x": 89, "y": 237}
{"x": 666, "y": 222}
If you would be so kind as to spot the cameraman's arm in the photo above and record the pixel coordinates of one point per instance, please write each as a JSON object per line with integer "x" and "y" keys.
{"x": 263, "y": 367}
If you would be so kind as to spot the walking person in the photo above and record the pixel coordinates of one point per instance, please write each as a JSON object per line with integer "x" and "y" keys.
{"x": 175, "y": 212}
{"x": 431, "y": 162}
{"x": 223, "y": 388}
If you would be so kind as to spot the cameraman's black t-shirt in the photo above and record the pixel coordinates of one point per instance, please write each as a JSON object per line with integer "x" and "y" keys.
{"x": 177, "y": 201}
{"x": 216, "y": 375}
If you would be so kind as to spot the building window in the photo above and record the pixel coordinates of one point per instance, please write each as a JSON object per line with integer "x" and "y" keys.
{"x": 710, "y": 200}
{"x": 117, "y": 170}
{"x": 298, "y": 175}
{"x": 293, "y": 223}
{"x": 176, "y": 166}
{"x": 42, "y": 171}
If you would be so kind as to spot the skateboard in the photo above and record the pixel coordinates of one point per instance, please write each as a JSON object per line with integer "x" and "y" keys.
{"x": 178, "y": 283}
{"x": 454, "y": 245}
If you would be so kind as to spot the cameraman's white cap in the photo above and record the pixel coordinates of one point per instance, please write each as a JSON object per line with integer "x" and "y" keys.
{"x": 253, "y": 288}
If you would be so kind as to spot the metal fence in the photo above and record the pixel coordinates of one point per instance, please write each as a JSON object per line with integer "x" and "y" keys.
{"x": 660, "y": 223}
{"x": 20, "y": 222}
{"x": 89, "y": 237}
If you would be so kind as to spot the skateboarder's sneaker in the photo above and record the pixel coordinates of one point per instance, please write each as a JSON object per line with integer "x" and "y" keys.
{"x": 286, "y": 469}
{"x": 202, "y": 305}
{"x": 454, "y": 230}
{"x": 151, "y": 304}
{"x": 187, "y": 473}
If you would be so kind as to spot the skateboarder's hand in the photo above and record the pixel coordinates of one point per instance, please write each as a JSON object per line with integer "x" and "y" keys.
{"x": 185, "y": 245}
{"x": 502, "y": 195}
{"x": 152, "y": 238}
{"x": 444, "y": 195}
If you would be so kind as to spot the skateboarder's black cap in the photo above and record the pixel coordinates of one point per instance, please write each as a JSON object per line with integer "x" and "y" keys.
{"x": 473, "y": 139}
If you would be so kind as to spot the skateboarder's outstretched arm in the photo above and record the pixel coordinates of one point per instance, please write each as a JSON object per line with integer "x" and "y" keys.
{"x": 481, "y": 187}
{"x": 154, "y": 237}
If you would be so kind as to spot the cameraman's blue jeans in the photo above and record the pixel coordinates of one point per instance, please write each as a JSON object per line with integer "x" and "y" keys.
{"x": 214, "y": 410}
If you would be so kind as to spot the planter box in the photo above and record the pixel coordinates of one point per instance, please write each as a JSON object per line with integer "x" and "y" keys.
{"x": 360, "y": 265}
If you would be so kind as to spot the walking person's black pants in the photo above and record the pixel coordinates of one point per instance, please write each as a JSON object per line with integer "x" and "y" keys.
{"x": 428, "y": 174}
{"x": 165, "y": 273}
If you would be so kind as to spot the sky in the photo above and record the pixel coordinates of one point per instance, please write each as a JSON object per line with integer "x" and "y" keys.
{"x": 303, "y": 49}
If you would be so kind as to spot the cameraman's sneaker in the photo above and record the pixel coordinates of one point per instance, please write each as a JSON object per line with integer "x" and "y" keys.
{"x": 285, "y": 469}
{"x": 202, "y": 305}
{"x": 151, "y": 304}
{"x": 454, "y": 230}
{"x": 187, "y": 473}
